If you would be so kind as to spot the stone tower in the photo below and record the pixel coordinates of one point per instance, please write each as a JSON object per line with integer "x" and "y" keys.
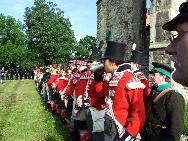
{"x": 122, "y": 21}
{"x": 161, "y": 12}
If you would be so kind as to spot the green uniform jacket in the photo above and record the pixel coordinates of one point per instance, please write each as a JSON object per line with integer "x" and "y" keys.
{"x": 165, "y": 118}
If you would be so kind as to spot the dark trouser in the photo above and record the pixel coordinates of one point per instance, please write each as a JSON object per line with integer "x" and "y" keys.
{"x": 69, "y": 108}
{"x": 110, "y": 132}
{"x": 25, "y": 76}
{"x": 7, "y": 77}
{"x": 154, "y": 134}
{"x": 21, "y": 76}
{"x": 3, "y": 77}
{"x": 93, "y": 136}
{"x": 11, "y": 77}
{"x": 57, "y": 100}
{"x": 16, "y": 77}
{"x": 45, "y": 96}
{"x": 80, "y": 125}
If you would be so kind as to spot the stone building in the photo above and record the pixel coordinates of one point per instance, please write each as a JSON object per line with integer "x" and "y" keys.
{"x": 161, "y": 12}
{"x": 122, "y": 21}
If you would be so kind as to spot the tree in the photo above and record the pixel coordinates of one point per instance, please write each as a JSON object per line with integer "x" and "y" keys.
{"x": 50, "y": 38}
{"x": 12, "y": 48}
{"x": 86, "y": 47}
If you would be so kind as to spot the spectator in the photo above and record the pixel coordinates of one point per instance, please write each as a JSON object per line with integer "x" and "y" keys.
{"x": 1, "y": 80}
{"x": 165, "y": 108}
{"x": 178, "y": 46}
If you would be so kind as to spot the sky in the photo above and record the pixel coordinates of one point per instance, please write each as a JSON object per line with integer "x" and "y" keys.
{"x": 81, "y": 13}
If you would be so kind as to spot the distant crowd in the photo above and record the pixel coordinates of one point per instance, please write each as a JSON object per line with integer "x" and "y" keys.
{"x": 16, "y": 74}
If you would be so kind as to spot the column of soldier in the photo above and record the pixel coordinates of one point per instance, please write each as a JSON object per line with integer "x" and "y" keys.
{"x": 16, "y": 74}
{"x": 111, "y": 100}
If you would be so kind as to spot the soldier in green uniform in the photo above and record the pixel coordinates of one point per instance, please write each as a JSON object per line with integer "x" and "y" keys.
{"x": 164, "y": 108}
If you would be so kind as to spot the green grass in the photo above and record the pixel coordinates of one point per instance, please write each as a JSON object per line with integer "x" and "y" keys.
{"x": 186, "y": 120}
{"x": 23, "y": 116}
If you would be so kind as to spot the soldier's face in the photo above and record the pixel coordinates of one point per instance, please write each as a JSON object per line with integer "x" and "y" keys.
{"x": 109, "y": 66}
{"x": 158, "y": 78}
{"x": 134, "y": 66}
{"x": 69, "y": 72}
{"x": 178, "y": 48}
{"x": 89, "y": 65}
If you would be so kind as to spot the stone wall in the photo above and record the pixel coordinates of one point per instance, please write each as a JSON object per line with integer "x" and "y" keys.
{"x": 122, "y": 21}
{"x": 161, "y": 12}
{"x": 101, "y": 23}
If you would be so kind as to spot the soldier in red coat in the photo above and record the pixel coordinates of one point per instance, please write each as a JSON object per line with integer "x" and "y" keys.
{"x": 78, "y": 115}
{"x": 52, "y": 79}
{"x": 59, "y": 99}
{"x": 125, "y": 112}
{"x": 136, "y": 66}
{"x": 78, "y": 111}
{"x": 68, "y": 93}
{"x": 94, "y": 101}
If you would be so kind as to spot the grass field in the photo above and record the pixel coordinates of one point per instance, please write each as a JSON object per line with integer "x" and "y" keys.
{"x": 23, "y": 116}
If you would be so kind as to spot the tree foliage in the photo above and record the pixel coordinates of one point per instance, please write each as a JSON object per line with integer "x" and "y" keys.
{"x": 50, "y": 38}
{"x": 85, "y": 47}
{"x": 12, "y": 43}
{"x": 47, "y": 38}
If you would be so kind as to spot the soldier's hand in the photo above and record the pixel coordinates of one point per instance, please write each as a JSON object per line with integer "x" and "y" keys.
{"x": 79, "y": 101}
{"x": 107, "y": 76}
{"x": 98, "y": 76}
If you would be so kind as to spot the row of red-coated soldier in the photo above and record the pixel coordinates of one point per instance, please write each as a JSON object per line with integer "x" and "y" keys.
{"x": 105, "y": 100}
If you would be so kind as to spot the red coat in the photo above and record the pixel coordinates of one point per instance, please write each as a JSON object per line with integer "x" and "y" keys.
{"x": 73, "y": 78}
{"x": 145, "y": 81}
{"x": 63, "y": 81}
{"x": 125, "y": 102}
{"x": 101, "y": 89}
{"x": 81, "y": 84}
{"x": 96, "y": 94}
{"x": 55, "y": 83}
{"x": 70, "y": 89}
{"x": 37, "y": 69}
{"x": 52, "y": 79}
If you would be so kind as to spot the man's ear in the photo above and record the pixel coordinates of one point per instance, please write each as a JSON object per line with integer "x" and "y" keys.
{"x": 164, "y": 76}
{"x": 113, "y": 62}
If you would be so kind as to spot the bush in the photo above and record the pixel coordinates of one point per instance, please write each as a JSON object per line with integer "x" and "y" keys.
{"x": 186, "y": 120}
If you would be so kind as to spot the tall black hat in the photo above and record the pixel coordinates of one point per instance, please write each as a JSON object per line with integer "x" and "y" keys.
{"x": 115, "y": 50}
{"x": 181, "y": 17}
{"x": 136, "y": 55}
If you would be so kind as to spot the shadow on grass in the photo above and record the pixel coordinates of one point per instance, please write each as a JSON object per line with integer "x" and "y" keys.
{"x": 60, "y": 126}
